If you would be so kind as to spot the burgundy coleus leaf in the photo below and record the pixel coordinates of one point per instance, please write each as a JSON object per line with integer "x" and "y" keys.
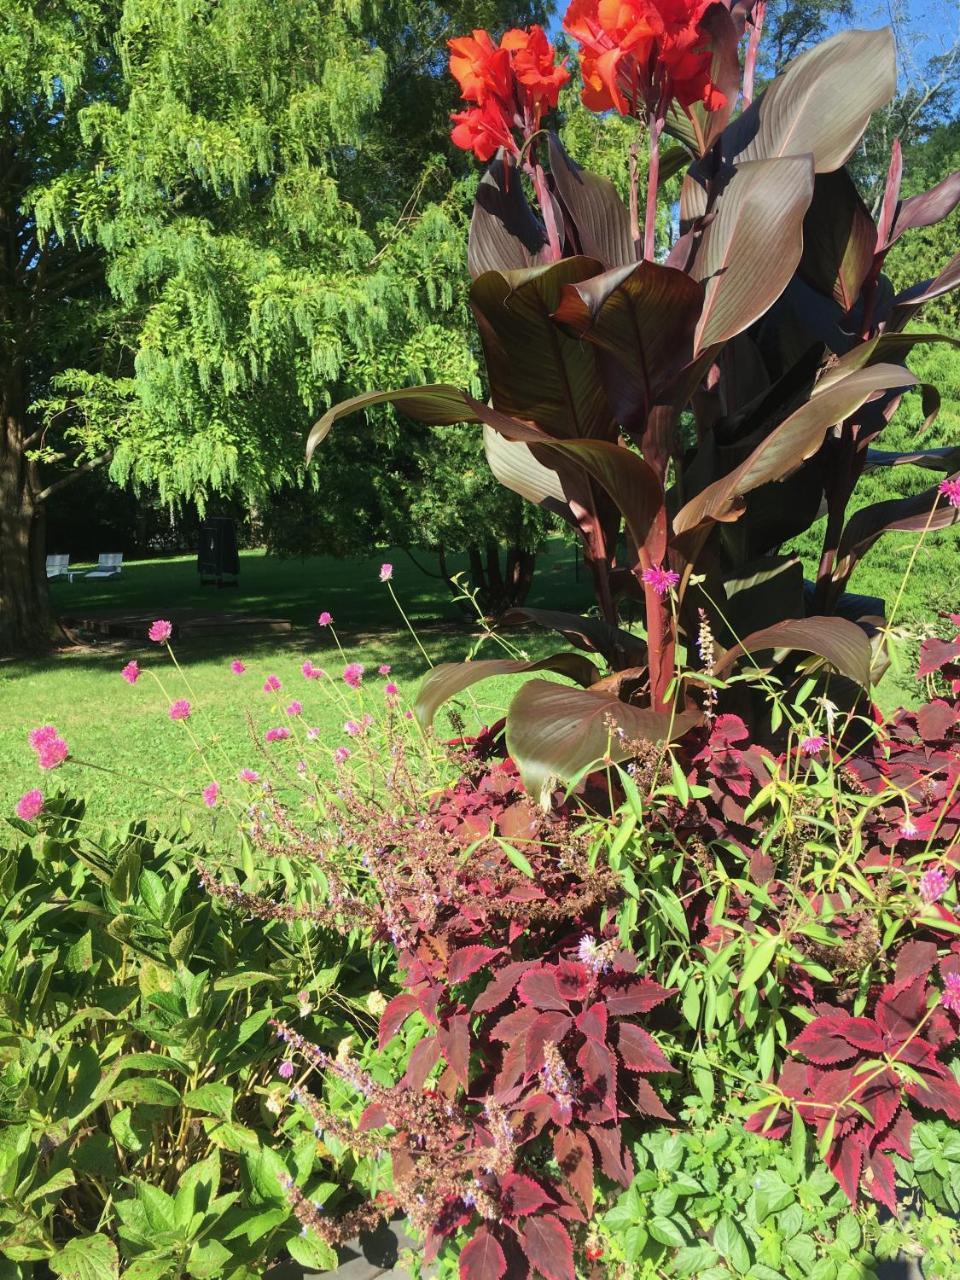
{"x": 827, "y": 1040}
{"x": 550, "y": 1027}
{"x": 374, "y": 1117}
{"x": 521, "y": 1196}
{"x": 845, "y": 1160}
{"x": 539, "y": 987}
{"x": 599, "y": 1068}
{"x": 879, "y": 1179}
{"x": 423, "y": 1058}
{"x": 468, "y": 960}
{"x": 938, "y": 1091}
{"x": 593, "y": 1021}
{"x": 901, "y": 1007}
{"x": 574, "y": 1155}
{"x": 633, "y": 995}
{"x": 502, "y": 985}
{"x": 935, "y": 654}
{"x": 482, "y": 1258}
{"x": 396, "y": 1013}
{"x": 538, "y": 1109}
{"x": 614, "y": 1158}
{"x": 574, "y": 980}
{"x": 548, "y": 1247}
{"x": 454, "y": 1040}
{"x": 639, "y": 1050}
{"x": 915, "y": 959}
{"x": 647, "y": 1101}
{"x": 506, "y": 1086}
{"x": 513, "y": 1024}
{"x": 881, "y": 1098}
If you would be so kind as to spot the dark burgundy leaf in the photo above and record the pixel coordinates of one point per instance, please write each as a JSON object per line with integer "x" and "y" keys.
{"x": 575, "y": 1157}
{"x": 879, "y": 1178}
{"x": 600, "y": 219}
{"x": 915, "y": 959}
{"x": 936, "y": 654}
{"x": 845, "y": 1160}
{"x": 839, "y": 239}
{"x": 823, "y": 1042}
{"x": 647, "y": 1101}
{"x": 633, "y": 995}
{"x": 395, "y": 1015}
{"x": 538, "y": 987}
{"x": 593, "y": 1022}
{"x": 548, "y": 1247}
{"x": 482, "y": 1258}
{"x": 423, "y": 1057}
{"x": 639, "y": 1050}
{"x": 522, "y": 1196}
{"x": 614, "y": 1158}
{"x": 843, "y": 644}
{"x": 928, "y": 207}
{"x": 505, "y": 234}
{"x": 500, "y": 988}
{"x": 455, "y": 1042}
{"x": 468, "y": 960}
{"x": 447, "y": 679}
{"x": 549, "y": 1028}
{"x": 513, "y": 1024}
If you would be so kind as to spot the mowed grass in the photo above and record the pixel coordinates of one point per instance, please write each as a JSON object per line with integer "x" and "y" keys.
{"x": 139, "y": 764}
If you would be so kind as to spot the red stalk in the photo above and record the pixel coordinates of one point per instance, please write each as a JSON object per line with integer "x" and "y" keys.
{"x": 653, "y": 182}
{"x": 753, "y": 44}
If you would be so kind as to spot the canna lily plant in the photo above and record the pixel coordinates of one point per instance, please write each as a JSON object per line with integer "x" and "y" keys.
{"x": 686, "y": 417}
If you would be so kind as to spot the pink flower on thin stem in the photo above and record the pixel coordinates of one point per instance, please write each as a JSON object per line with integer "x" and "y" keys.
{"x": 313, "y": 734}
{"x": 341, "y": 755}
{"x": 295, "y": 708}
{"x": 180, "y": 710}
{"x": 352, "y": 728}
{"x": 237, "y": 667}
{"x": 131, "y": 672}
{"x": 272, "y": 684}
{"x": 386, "y": 572}
{"x": 325, "y": 619}
{"x": 160, "y": 631}
{"x": 662, "y": 580}
{"x": 210, "y": 794}
{"x": 383, "y": 669}
{"x": 813, "y": 745}
{"x": 391, "y": 690}
{"x": 285, "y": 1070}
{"x": 908, "y": 828}
{"x": 248, "y": 775}
{"x": 277, "y": 735}
{"x": 933, "y": 885}
{"x": 951, "y": 993}
{"x": 51, "y": 749}
{"x": 950, "y": 489}
{"x": 29, "y": 805}
{"x": 353, "y": 674}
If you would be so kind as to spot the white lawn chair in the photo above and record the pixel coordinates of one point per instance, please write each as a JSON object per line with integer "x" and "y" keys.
{"x": 59, "y": 567}
{"x": 109, "y": 565}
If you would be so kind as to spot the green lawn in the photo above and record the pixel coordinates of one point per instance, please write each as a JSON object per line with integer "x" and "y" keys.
{"x": 127, "y": 730}
{"x": 151, "y": 761}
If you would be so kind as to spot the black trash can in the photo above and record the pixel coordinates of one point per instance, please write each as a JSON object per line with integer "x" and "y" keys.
{"x": 218, "y": 560}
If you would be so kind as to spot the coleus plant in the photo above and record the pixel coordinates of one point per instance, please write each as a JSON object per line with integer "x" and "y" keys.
{"x": 708, "y": 407}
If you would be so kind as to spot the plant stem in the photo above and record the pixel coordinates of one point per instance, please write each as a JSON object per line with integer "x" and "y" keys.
{"x": 653, "y": 182}
{"x": 544, "y": 199}
{"x": 635, "y": 198}
{"x": 753, "y": 44}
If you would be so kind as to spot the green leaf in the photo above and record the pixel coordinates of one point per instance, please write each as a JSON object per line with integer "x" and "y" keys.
{"x": 771, "y": 1194}
{"x": 729, "y": 1242}
{"x": 215, "y": 1099}
{"x": 265, "y": 1169}
{"x": 59, "y": 1182}
{"x": 310, "y": 1251}
{"x": 759, "y": 958}
{"x": 86, "y": 1258}
{"x": 150, "y": 1090}
{"x": 666, "y": 1231}
{"x": 517, "y": 859}
{"x": 152, "y": 892}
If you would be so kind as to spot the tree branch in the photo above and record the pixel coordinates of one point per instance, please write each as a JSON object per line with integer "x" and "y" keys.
{"x": 73, "y": 476}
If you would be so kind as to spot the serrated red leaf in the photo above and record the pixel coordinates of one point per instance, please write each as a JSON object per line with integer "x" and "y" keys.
{"x": 511, "y": 1071}
{"x": 521, "y": 1196}
{"x": 574, "y": 980}
{"x": 935, "y": 653}
{"x": 879, "y": 1178}
{"x": 550, "y": 1027}
{"x": 901, "y": 1007}
{"x": 423, "y": 1058}
{"x": 574, "y": 1155}
{"x": 513, "y": 1024}
{"x": 482, "y": 1258}
{"x": 635, "y": 995}
{"x": 548, "y": 1247}
{"x": 821, "y": 1042}
{"x": 647, "y": 1100}
{"x": 538, "y": 987}
{"x": 455, "y": 1045}
{"x": 639, "y": 1050}
{"x": 614, "y": 1158}
{"x": 468, "y": 960}
{"x": 599, "y": 1068}
{"x": 593, "y": 1021}
{"x": 845, "y": 1160}
{"x": 396, "y": 1013}
{"x": 499, "y": 989}
{"x": 914, "y": 960}
{"x": 373, "y": 1117}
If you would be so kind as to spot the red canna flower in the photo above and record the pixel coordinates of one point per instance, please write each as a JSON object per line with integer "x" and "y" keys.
{"x": 511, "y": 84}
{"x": 639, "y": 55}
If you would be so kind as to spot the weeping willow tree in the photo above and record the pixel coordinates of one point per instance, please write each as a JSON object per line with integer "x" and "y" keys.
{"x": 215, "y": 217}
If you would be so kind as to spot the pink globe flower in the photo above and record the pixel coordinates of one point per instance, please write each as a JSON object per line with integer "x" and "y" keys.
{"x": 131, "y": 672}
{"x": 272, "y": 684}
{"x": 295, "y": 708}
{"x": 950, "y": 489}
{"x": 951, "y": 993}
{"x": 51, "y": 749}
{"x": 813, "y": 745}
{"x": 933, "y": 885}
{"x": 386, "y": 572}
{"x": 237, "y": 667}
{"x": 383, "y": 669}
{"x": 210, "y": 794}
{"x": 160, "y": 631}
{"x": 325, "y": 619}
{"x": 352, "y": 728}
{"x": 353, "y": 674}
{"x": 313, "y": 734}
{"x": 662, "y": 580}
{"x": 277, "y": 735}
{"x": 341, "y": 755}
{"x": 29, "y": 805}
{"x": 391, "y": 690}
{"x": 180, "y": 710}
{"x": 248, "y": 775}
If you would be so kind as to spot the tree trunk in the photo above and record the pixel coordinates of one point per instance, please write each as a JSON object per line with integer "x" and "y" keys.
{"x": 25, "y": 622}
